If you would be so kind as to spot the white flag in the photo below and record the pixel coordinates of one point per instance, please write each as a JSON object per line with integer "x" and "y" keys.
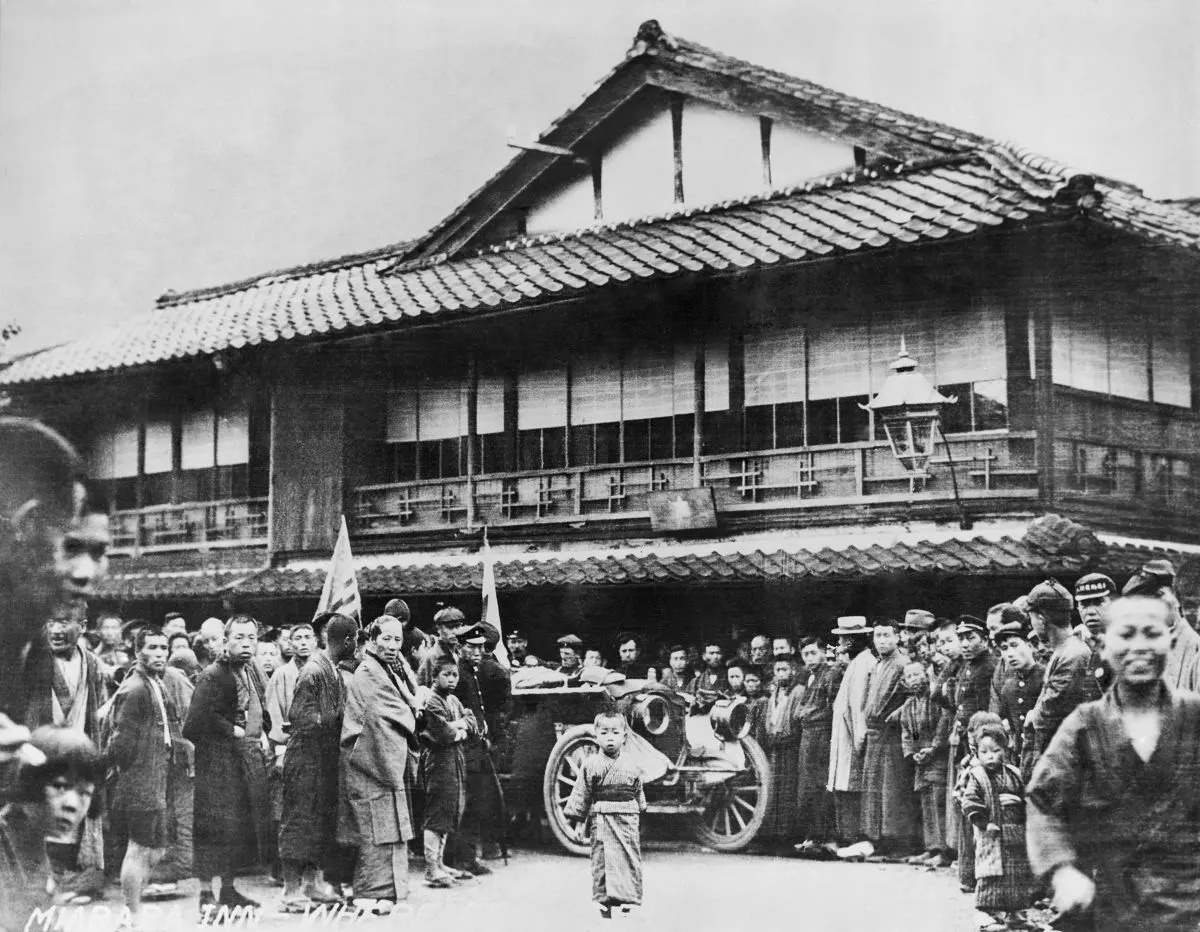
{"x": 340, "y": 593}
{"x": 491, "y": 608}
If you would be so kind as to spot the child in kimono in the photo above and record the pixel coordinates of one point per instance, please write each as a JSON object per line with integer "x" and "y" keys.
{"x": 443, "y": 771}
{"x": 993, "y": 801}
{"x": 609, "y": 794}
{"x": 925, "y": 738}
{"x": 966, "y": 843}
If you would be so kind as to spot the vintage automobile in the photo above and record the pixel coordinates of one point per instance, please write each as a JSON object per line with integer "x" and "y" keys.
{"x": 698, "y": 760}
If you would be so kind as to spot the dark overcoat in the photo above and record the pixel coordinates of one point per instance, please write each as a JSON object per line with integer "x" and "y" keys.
{"x": 136, "y": 747}
{"x": 231, "y": 774}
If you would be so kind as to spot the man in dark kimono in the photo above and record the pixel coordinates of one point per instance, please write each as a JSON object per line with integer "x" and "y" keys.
{"x": 889, "y": 806}
{"x": 228, "y": 723}
{"x": 1066, "y": 684}
{"x": 149, "y": 761}
{"x": 495, "y": 690}
{"x": 779, "y": 735}
{"x": 1117, "y": 788}
{"x": 814, "y": 804}
{"x": 308, "y": 828}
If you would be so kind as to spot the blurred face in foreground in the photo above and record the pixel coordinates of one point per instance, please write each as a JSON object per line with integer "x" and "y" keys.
{"x": 1137, "y": 640}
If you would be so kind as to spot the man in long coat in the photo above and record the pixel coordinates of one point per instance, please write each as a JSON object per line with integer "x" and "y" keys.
{"x": 308, "y": 829}
{"x": 67, "y": 687}
{"x": 228, "y": 723}
{"x": 814, "y": 804}
{"x": 850, "y": 728}
{"x": 463, "y": 847}
{"x": 889, "y": 806}
{"x": 373, "y": 809}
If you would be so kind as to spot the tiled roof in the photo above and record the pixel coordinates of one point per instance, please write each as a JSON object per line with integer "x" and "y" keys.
{"x": 841, "y": 214}
{"x": 141, "y": 586}
{"x": 1006, "y": 556}
{"x": 978, "y": 184}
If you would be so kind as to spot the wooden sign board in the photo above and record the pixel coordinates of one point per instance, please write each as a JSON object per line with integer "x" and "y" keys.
{"x": 682, "y": 510}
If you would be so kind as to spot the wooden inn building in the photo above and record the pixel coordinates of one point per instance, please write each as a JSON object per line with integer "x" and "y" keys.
{"x": 694, "y": 280}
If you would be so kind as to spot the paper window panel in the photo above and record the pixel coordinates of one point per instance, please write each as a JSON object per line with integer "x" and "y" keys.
{"x": 1129, "y": 355}
{"x": 1171, "y": 361}
{"x": 542, "y": 398}
{"x": 838, "y": 362}
{"x": 125, "y": 452}
{"x": 969, "y": 346}
{"x": 1080, "y": 350}
{"x": 441, "y": 410}
{"x": 197, "y": 441}
{"x": 401, "y": 416}
{"x": 489, "y": 405}
{"x": 683, "y": 382}
{"x": 648, "y": 383}
{"x": 101, "y": 457}
{"x": 775, "y": 367}
{"x": 716, "y": 374}
{"x": 158, "y": 448}
{"x": 233, "y": 437}
{"x": 596, "y": 388}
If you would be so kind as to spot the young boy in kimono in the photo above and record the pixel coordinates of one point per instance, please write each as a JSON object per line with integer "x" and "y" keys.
{"x": 925, "y": 738}
{"x": 993, "y": 801}
{"x": 966, "y": 842}
{"x": 443, "y": 771}
{"x": 609, "y": 794}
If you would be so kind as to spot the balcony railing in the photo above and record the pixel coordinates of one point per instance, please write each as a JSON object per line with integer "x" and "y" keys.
{"x": 999, "y": 462}
{"x": 230, "y": 521}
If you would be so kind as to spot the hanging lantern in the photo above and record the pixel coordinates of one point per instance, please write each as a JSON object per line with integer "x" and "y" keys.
{"x": 910, "y": 408}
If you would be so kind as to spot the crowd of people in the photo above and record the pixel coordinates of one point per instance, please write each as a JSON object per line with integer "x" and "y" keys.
{"x": 1044, "y": 753}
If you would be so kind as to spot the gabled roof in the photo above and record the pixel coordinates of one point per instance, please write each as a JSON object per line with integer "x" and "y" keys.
{"x": 659, "y": 60}
{"x": 964, "y": 184}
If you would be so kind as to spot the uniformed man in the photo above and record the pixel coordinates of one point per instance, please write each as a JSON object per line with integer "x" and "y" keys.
{"x": 1018, "y": 683}
{"x": 518, "y": 647}
{"x": 1093, "y": 594}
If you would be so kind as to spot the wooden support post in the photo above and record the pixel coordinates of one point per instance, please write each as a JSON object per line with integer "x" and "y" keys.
{"x": 1043, "y": 395}
{"x": 472, "y": 435}
{"x": 677, "y": 139}
{"x": 697, "y": 411}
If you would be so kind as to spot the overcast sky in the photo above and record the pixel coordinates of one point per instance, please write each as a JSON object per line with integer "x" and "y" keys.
{"x": 156, "y": 144}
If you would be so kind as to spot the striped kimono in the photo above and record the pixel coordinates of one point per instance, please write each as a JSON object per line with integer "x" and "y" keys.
{"x": 609, "y": 793}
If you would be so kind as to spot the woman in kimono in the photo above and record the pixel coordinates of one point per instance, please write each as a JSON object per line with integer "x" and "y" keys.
{"x": 1114, "y": 809}
{"x": 374, "y": 809}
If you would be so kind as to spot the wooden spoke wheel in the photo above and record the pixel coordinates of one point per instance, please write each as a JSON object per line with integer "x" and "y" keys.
{"x": 734, "y": 809}
{"x": 562, "y": 771}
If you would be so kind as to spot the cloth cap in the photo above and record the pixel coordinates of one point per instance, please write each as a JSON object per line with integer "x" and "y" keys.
{"x": 1011, "y": 629}
{"x": 1094, "y": 586}
{"x": 917, "y": 619}
{"x": 398, "y": 609}
{"x": 1150, "y": 578}
{"x": 450, "y": 617}
{"x": 852, "y": 624}
{"x": 969, "y": 624}
{"x": 1050, "y": 594}
{"x": 570, "y": 640}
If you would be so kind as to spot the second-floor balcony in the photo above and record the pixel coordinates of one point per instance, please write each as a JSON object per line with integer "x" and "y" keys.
{"x": 229, "y": 522}
{"x": 991, "y": 464}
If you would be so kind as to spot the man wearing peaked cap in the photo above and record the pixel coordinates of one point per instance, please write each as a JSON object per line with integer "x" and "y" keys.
{"x": 1093, "y": 594}
{"x": 570, "y": 655}
{"x": 849, "y": 735}
{"x": 1018, "y": 681}
{"x": 975, "y": 677}
{"x": 1151, "y": 579}
{"x": 1156, "y": 580}
{"x": 1067, "y": 683}
{"x": 917, "y": 622}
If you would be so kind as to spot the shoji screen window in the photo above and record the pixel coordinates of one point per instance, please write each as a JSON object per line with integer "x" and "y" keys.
{"x": 113, "y": 460}
{"x": 542, "y": 417}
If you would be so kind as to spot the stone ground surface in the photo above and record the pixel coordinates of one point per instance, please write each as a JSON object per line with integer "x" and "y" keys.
{"x": 687, "y": 888}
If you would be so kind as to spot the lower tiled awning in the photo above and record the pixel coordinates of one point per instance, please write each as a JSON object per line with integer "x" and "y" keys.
{"x": 977, "y": 556}
{"x": 176, "y": 584}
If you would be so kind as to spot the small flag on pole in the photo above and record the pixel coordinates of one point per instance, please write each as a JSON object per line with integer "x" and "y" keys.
{"x": 340, "y": 593}
{"x": 490, "y": 612}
